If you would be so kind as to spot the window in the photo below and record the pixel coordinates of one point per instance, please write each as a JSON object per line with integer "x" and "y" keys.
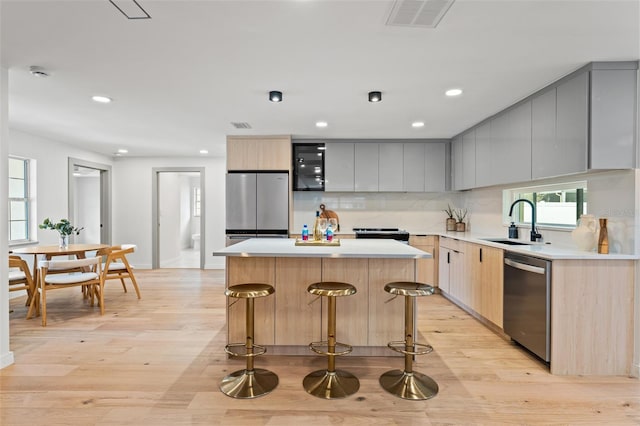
{"x": 196, "y": 202}
{"x": 18, "y": 199}
{"x": 556, "y": 205}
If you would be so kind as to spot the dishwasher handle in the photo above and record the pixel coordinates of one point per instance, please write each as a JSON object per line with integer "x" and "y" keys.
{"x": 524, "y": 266}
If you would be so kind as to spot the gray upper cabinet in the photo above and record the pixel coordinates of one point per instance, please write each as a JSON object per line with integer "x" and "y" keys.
{"x": 469, "y": 160}
{"x": 339, "y": 166}
{"x": 456, "y": 163}
{"x": 390, "y": 169}
{"x": 435, "y": 167}
{"x": 572, "y": 124}
{"x": 547, "y": 157}
{"x": 414, "y": 167}
{"x": 366, "y": 167}
{"x": 486, "y": 160}
{"x": 613, "y": 114}
{"x": 517, "y": 155}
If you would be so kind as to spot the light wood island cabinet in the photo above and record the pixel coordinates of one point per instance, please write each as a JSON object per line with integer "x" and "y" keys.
{"x": 426, "y": 269}
{"x": 291, "y": 318}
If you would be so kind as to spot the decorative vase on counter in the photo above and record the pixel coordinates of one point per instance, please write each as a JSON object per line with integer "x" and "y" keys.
{"x": 603, "y": 239}
{"x": 451, "y": 224}
{"x": 63, "y": 241}
{"x": 584, "y": 236}
{"x": 461, "y": 227}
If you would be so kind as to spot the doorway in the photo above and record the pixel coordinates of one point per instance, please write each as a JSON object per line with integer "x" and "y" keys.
{"x": 178, "y": 218}
{"x": 90, "y": 201}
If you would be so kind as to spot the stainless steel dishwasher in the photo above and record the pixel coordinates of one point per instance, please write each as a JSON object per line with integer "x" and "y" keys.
{"x": 527, "y": 305}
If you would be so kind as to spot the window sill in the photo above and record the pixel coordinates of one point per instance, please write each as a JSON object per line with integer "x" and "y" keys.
{"x": 561, "y": 228}
{"x": 23, "y": 244}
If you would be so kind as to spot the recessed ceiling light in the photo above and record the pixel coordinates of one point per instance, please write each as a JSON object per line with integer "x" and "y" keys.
{"x": 204, "y": 151}
{"x": 321, "y": 124}
{"x": 417, "y": 124}
{"x": 453, "y": 92}
{"x": 123, "y": 151}
{"x": 101, "y": 99}
{"x": 37, "y": 71}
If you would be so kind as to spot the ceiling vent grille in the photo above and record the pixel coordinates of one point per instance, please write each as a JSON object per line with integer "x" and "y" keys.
{"x": 418, "y": 13}
{"x": 241, "y": 125}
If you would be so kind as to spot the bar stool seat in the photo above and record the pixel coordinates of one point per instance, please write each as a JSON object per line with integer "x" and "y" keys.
{"x": 409, "y": 384}
{"x": 331, "y": 383}
{"x": 250, "y": 382}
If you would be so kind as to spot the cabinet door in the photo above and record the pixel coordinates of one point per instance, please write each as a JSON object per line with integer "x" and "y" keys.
{"x": 338, "y": 167}
{"x": 613, "y": 107}
{"x": 516, "y": 162}
{"x": 435, "y": 167}
{"x": 458, "y": 285}
{"x": 499, "y": 139}
{"x": 273, "y": 153}
{"x": 491, "y": 278}
{"x": 572, "y": 120}
{"x": 413, "y": 167}
{"x": 485, "y": 159}
{"x": 426, "y": 269}
{"x": 547, "y": 159}
{"x": 241, "y": 154}
{"x": 457, "y": 163}
{"x": 444, "y": 267}
{"x": 366, "y": 167}
{"x": 469, "y": 160}
{"x": 390, "y": 175}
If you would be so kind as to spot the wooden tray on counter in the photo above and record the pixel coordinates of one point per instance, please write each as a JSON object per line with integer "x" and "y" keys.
{"x": 323, "y": 243}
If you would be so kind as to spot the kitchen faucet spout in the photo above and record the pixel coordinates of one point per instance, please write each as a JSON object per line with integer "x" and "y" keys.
{"x": 534, "y": 234}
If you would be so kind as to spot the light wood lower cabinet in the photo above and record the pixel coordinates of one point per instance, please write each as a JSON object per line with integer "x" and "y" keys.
{"x": 426, "y": 269}
{"x": 486, "y": 278}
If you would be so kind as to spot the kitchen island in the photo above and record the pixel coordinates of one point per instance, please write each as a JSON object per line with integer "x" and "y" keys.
{"x": 292, "y": 318}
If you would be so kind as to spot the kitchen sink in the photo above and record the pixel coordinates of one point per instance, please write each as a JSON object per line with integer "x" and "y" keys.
{"x": 506, "y": 241}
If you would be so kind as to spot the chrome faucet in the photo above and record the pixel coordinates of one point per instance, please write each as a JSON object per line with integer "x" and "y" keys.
{"x": 534, "y": 234}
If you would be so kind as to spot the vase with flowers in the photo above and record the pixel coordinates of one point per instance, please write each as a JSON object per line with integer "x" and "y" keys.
{"x": 64, "y": 228}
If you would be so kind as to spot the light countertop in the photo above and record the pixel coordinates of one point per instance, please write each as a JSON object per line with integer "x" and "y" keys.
{"x": 348, "y": 248}
{"x": 541, "y": 250}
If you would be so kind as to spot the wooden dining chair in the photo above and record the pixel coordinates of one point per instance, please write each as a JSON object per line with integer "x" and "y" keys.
{"x": 20, "y": 278}
{"x": 116, "y": 266}
{"x": 57, "y": 274}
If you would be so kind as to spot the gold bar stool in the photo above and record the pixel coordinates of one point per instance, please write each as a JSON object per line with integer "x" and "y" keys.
{"x": 409, "y": 384}
{"x": 250, "y": 382}
{"x": 331, "y": 383}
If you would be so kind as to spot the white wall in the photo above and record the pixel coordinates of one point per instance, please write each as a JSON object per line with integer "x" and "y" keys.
{"x": 6, "y": 355}
{"x": 51, "y": 162}
{"x": 132, "y": 208}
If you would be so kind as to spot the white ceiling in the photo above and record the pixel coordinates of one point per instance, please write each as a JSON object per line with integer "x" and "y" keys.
{"x": 179, "y": 79}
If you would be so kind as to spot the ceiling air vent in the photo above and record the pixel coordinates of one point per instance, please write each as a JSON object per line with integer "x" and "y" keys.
{"x": 241, "y": 125}
{"x": 414, "y": 13}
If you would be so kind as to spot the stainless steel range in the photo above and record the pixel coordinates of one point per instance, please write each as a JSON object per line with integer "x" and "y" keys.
{"x": 383, "y": 233}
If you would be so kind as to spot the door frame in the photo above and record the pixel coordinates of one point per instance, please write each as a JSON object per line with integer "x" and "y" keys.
{"x": 105, "y": 194}
{"x": 155, "y": 217}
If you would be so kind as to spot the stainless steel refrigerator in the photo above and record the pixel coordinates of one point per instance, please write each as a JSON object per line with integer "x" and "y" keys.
{"x": 257, "y": 205}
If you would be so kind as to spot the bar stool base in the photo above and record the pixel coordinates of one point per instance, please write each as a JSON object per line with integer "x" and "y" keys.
{"x": 331, "y": 385}
{"x": 244, "y": 384}
{"x": 414, "y": 386}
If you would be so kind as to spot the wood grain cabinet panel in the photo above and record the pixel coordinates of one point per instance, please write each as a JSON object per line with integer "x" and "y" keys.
{"x": 426, "y": 269}
{"x": 258, "y": 153}
{"x": 241, "y": 270}
{"x": 486, "y": 280}
{"x": 298, "y": 316}
{"x": 352, "y": 312}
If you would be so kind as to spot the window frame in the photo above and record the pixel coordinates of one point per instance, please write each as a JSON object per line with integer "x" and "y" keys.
{"x": 196, "y": 205}
{"x": 26, "y": 200}
{"x": 510, "y": 195}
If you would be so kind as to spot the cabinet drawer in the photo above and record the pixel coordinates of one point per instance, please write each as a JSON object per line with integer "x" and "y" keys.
{"x": 423, "y": 240}
{"x": 452, "y": 244}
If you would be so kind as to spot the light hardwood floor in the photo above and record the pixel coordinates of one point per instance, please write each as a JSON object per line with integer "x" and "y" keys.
{"x": 158, "y": 361}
